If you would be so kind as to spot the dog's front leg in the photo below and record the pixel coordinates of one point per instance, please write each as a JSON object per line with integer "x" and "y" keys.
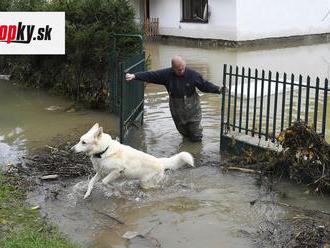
{"x": 91, "y": 184}
{"x": 113, "y": 175}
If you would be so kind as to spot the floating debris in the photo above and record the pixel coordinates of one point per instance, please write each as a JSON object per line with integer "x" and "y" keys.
{"x": 49, "y": 177}
{"x": 130, "y": 235}
{"x": 35, "y": 207}
{"x": 111, "y": 217}
{"x": 243, "y": 170}
{"x": 53, "y": 108}
{"x": 4, "y": 77}
{"x": 70, "y": 109}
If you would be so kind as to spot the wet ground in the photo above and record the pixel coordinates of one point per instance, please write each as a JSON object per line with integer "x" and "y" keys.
{"x": 194, "y": 208}
{"x": 199, "y": 207}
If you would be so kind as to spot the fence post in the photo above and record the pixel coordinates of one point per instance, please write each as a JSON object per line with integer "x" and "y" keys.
{"x": 229, "y": 95}
{"x": 261, "y": 101}
{"x": 291, "y": 99}
{"x": 316, "y": 103}
{"x": 325, "y": 102}
{"x": 283, "y": 102}
{"x": 235, "y": 98}
{"x": 223, "y": 102}
{"x": 307, "y": 99}
{"x": 268, "y": 102}
{"x": 299, "y": 98}
{"x": 275, "y": 106}
{"x": 248, "y": 102}
{"x": 255, "y": 102}
{"x": 241, "y": 100}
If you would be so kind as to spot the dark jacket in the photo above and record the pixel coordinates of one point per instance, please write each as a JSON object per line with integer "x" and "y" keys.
{"x": 176, "y": 86}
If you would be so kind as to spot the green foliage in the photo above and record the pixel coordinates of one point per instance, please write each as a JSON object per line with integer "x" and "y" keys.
{"x": 21, "y": 5}
{"x": 5, "y": 5}
{"x": 84, "y": 70}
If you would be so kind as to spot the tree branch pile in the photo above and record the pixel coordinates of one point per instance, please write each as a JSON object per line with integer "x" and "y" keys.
{"x": 306, "y": 155}
{"x": 59, "y": 161}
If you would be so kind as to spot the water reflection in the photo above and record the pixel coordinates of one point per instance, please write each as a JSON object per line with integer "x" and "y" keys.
{"x": 31, "y": 119}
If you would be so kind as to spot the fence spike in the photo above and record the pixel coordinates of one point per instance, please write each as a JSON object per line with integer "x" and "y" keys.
{"x": 261, "y": 102}
{"x": 248, "y": 102}
{"x": 255, "y": 102}
{"x": 325, "y": 103}
{"x": 268, "y": 103}
{"x": 283, "y": 101}
{"x": 241, "y": 100}
{"x": 316, "y": 103}
{"x": 291, "y": 99}
{"x": 223, "y": 102}
{"x": 307, "y": 99}
{"x": 275, "y": 105}
{"x": 299, "y": 97}
{"x": 229, "y": 95}
{"x": 235, "y": 97}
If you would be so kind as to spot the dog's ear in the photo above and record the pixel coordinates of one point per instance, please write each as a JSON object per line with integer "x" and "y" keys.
{"x": 96, "y": 126}
{"x": 99, "y": 132}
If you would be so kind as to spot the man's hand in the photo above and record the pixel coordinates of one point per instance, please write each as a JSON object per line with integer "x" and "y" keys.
{"x": 223, "y": 89}
{"x": 129, "y": 77}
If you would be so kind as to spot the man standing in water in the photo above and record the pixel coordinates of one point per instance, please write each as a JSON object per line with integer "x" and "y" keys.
{"x": 181, "y": 83}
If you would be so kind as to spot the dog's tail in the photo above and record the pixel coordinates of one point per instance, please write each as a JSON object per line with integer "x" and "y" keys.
{"x": 178, "y": 160}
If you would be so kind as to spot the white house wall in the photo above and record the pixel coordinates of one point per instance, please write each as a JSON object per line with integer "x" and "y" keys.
{"x": 257, "y": 19}
{"x": 221, "y": 25}
{"x": 241, "y": 20}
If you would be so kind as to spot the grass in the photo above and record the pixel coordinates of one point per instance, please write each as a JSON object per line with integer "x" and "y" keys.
{"x": 20, "y": 225}
{"x": 29, "y": 238}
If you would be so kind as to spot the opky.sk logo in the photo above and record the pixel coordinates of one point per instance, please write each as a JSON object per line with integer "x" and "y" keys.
{"x": 21, "y": 33}
{"x": 32, "y": 33}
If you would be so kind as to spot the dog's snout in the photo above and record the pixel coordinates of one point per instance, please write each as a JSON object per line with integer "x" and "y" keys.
{"x": 72, "y": 148}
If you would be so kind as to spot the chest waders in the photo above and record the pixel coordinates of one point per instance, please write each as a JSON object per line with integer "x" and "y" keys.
{"x": 187, "y": 115}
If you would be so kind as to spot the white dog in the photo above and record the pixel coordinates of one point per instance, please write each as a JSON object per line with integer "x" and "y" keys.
{"x": 111, "y": 160}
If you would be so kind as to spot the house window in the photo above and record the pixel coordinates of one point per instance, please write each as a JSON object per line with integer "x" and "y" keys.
{"x": 194, "y": 11}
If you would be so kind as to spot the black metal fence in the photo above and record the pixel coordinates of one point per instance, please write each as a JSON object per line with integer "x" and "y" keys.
{"x": 263, "y": 104}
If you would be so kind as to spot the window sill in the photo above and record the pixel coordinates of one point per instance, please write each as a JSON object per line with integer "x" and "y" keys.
{"x": 195, "y": 21}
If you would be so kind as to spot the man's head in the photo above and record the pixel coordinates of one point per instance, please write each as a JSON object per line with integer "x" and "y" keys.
{"x": 178, "y": 65}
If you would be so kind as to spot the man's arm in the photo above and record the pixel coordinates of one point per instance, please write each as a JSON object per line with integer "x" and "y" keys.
{"x": 156, "y": 77}
{"x": 206, "y": 86}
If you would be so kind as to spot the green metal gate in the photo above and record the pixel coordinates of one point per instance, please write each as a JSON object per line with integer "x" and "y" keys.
{"x": 127, "y": 97}
{"x": 132, "y": 96}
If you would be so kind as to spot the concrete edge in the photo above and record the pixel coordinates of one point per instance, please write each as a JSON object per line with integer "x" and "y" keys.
{"x": 290, "y": 41}
{"x": 237, "y": 147}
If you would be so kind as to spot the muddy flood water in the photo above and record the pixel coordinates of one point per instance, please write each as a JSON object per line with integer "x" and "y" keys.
{"x": 195, "y": 207}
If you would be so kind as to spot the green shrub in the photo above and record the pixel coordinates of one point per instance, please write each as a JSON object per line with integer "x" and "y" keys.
{"x": 83, "y": 71}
